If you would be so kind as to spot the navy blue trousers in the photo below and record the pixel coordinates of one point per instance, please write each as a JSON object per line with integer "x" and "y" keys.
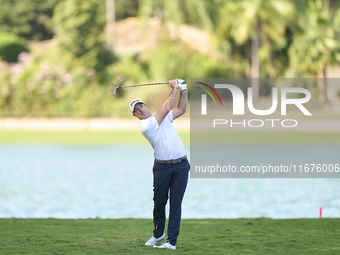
{"x": 169, "y": 179}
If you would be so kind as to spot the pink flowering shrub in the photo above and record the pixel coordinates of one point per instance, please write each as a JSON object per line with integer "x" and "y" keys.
{"x": 29, "y": 87}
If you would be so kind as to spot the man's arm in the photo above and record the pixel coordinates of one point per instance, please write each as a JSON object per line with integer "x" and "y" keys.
{"x": 169, "y": 102}
{"x": 182, "y": 105}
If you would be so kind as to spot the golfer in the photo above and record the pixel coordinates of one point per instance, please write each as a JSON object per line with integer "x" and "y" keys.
{"x": 171, "y": 167}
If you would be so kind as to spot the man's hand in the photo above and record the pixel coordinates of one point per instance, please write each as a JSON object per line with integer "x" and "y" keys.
{"x": 182, "y": 84}
{"x": 173, "y": 84}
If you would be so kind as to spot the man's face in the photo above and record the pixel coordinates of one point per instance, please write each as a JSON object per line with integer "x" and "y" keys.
{"x": 141, "y": 111}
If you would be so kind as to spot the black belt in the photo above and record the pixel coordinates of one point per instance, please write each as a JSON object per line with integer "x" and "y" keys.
{"x": 171, "y": 161}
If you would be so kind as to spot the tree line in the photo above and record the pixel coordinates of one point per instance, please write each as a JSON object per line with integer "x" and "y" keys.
{"x": 254, "y": 38}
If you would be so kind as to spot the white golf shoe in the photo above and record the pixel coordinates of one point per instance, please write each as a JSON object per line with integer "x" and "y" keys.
{"x": 153, "y": 241}
{"x": 166, "y": 245}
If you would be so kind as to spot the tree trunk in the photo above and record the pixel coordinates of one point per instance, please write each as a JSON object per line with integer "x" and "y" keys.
{"x": 272, "y": 71}
{"x": 110, "y": 23}
{"x": 322, "y": 86}
{"x": 255, "y": 63}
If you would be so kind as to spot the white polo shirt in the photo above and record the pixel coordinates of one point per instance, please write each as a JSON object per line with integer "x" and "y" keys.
{"x": 163, "y": 138}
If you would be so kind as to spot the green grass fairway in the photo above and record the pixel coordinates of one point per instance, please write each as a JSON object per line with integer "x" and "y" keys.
{"x": 135, "y": 137}
{"x": 199, "y": 236}
{"x": 260, "y": 137}
{"x": 77, "y": 137}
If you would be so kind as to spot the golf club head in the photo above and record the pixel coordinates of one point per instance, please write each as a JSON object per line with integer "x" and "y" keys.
{"x": 114, "y": 91}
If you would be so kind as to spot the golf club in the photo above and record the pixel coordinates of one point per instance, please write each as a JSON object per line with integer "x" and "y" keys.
{"x": 145, "y": 84}
{"x": 137, "y": 85}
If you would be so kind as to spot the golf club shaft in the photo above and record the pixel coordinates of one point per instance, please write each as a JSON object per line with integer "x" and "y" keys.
{"x": 137, "y": 85}
{"x": 145, "y": 84}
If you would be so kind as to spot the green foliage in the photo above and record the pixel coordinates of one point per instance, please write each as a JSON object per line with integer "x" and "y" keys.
{"x": 238, "y": 21}
{"x": 173, "y": 59}
{"x": 30, "y": 88}
{"x": 201, "y": 13}
{"x": 11, "y": 46}
{"x": 315, "y": 41}
{"x": 79, "y": 28}
{"x": 126, "y": 8}
{"x": 30, "y": 18}
{"x": 39, "y": 87}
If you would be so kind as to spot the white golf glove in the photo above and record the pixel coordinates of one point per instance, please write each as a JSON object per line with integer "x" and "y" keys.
{"x": 182, "y": 84}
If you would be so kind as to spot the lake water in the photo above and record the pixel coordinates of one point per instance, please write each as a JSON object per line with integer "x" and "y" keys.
{"x": 41, "y": 181}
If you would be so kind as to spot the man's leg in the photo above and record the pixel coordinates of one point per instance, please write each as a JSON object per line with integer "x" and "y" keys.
{"x": 161, "y": 183}
{"x": 177, "y": 189}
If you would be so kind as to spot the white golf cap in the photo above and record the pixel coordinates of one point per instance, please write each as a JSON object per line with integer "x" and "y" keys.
{"x": 134, "y": 102}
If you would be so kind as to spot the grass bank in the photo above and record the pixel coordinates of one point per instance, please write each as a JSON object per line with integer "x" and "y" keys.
{"x": 84, "y": 137}
{"x": 197, "y": 236}
{"x": 77, "y": 137}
